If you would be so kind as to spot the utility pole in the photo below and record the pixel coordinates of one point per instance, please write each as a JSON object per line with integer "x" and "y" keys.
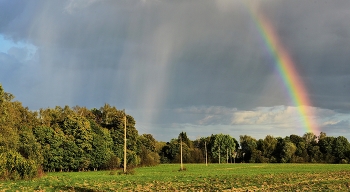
{"x": 181, "y": 166}
{"x": 124, "y": 142}
{"x": 206, "y": 154}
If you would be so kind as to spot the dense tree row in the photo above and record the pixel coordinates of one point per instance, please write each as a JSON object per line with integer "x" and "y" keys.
{"x": 217, "y": 148}
{"x": 78, "y": 139}
{"x": 67, "y": 139}
{"x": 295, "y": 149}
{"x": 308, "y": 148}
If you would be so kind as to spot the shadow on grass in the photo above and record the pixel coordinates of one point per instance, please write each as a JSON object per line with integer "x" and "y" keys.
{"x": 77, "y": 189}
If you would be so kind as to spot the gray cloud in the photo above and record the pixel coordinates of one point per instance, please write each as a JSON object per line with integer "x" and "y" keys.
{"x": 155, "y": 57}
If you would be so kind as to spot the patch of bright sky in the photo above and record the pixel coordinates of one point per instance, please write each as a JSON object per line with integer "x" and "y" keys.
{"x": 6, "y": 44}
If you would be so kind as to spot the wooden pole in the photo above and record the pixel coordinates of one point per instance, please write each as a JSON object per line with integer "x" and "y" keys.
{"x": 124, "y": 142}
{"x": 181, "y": 166}
{"x": 206, "y": 154}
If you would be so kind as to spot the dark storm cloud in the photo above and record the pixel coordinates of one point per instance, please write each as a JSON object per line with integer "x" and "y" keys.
{"x": 317, "y": 35}
{"x": 220, "y": 49}
{"x": 156, "y": 57}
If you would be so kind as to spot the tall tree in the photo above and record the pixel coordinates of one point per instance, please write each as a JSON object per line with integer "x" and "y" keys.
{"x": 248, "y": 145}
{"x": 148, "y": 154}
{"x": 326, "y": 147}
{"x": 223, "y": 144}
{"x": 288, "y": 151}
{"x": 268, "y": 146}
{"x": 341, "y": 147}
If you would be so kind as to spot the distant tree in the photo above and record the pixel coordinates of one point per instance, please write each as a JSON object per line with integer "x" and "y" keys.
{"x": 187, "y": 147}
{"x": 148, "y": 141}
{"x": 268, "y": 146}
{"x": 322, "y": 136}
{"x": 185, "y": 139}
{"x": 148, "y": 155}
{"x": 223, "y": 145}
{"x": 101, "y": 154}
{"x": 341, "y": 147}
{"x": 79, "y": 137}
{"x": 310, "y": 138}
{"x": 248, "y": 145}
{"x": 20, "y": 154}
{"x": 301, "y": 153}
{"x": 29, "y": 148}
{"x": 288, "y": 151}
{"x": 51, "y": 142}
{"x": 113, "y": 120}
{"x": 326, "y": 147}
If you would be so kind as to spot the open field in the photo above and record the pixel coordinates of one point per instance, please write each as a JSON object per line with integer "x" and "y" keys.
{"x": 197, "y": 177}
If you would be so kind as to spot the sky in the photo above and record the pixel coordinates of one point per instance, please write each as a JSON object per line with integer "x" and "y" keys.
{"x": 198, "y": 66}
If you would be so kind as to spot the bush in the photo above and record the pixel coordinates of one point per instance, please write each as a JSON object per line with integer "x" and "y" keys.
{"x": 343, "y": 161}
{"x": 113, "y": 163}
{"x": 14, "y": 166}
{"x": 129, "y": 171}
{"x": 149, "y": 158}
{"x": 133, "y": 159}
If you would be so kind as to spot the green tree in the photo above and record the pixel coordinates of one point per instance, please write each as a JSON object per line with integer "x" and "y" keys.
{"x": 326, "y": 147}
{"x": 148, "y": 141}
{"x": 148, "y": 154}
{"x": 19, "y": 153}
{"x": 185, "y": 139}
{"x": 288, "y": 151}
{"x": 223, "y": 145}
{"x": 248, "y": 145}
{"x": 113, "y": 120}
{"x": 101, "y": 153}
{"x": 268, "y": 147}
{"x": 341, "y": 147}
{"x": 79, "y": 136}
{"x": 301, "y": 153}
{"x": 51, "y": 142}
{"x": 29, "y": 148}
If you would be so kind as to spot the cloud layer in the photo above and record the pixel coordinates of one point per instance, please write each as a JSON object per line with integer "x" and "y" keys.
{"x": 161, "y": 59}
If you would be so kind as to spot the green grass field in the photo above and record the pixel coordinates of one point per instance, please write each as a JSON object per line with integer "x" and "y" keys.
{"x": 197, "y": 177}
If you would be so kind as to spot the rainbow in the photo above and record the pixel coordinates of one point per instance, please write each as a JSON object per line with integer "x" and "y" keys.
{"x": 287, "y": 71}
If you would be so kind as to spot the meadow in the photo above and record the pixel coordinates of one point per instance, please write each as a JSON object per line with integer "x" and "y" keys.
{"x": 197, "y": 177}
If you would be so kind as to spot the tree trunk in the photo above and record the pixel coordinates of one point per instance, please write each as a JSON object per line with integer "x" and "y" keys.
{"x": 226, "y": 156}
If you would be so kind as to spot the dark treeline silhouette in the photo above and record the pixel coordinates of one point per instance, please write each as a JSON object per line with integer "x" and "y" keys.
{"x": 308, "y": 148}
{"x": 79, "y": 139}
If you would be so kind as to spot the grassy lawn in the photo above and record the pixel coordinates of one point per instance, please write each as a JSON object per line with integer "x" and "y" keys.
{"x": 197, "y": 177}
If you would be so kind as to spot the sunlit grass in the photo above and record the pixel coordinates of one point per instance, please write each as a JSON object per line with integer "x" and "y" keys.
{"x": 213, "y": 177}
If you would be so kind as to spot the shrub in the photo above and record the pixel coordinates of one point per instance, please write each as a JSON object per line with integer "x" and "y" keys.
{"x": 14, "y": 166}
{"x": 129, "y": 171}
{"x": 149, "y": 158}
{"x": 113, "y": 163}
{"x": 343, "y": 161}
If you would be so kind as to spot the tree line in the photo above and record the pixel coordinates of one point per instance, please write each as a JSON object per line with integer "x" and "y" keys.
{"x": 67, "y": 139}
{"x": 220, "y": 148}
{"x": 79, "y": 139}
